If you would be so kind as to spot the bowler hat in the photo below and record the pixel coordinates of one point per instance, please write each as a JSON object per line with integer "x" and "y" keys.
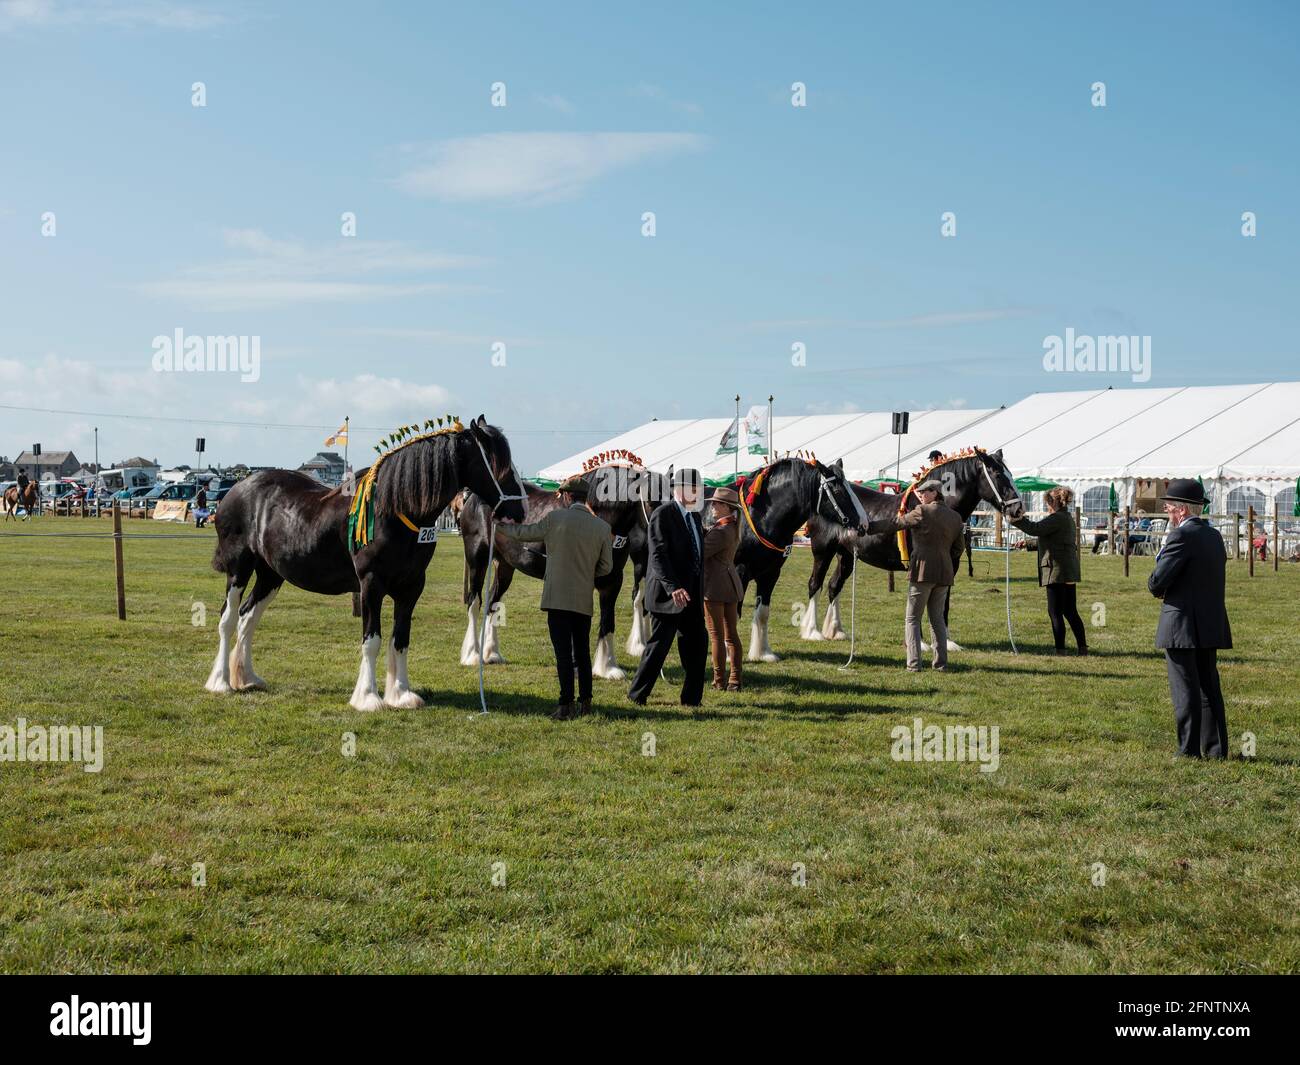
{"x": 575, "y": 486}
{"x": 726, "y": 495}
{"x": 686, "y": 476}
{"x": 1184, "y": 490}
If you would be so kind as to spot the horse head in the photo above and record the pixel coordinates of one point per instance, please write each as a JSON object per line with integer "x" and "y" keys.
{"x": 483, "y": 454}
{"x": 996, "y": 485}
{"x": 836, "y": 500}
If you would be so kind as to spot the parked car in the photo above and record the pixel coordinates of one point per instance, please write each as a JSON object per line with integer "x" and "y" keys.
{"x": 184, "y": 490}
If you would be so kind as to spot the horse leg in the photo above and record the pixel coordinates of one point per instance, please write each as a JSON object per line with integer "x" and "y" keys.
{"x": 365, "y": 696}
{"x": 475, "y": 577}
{"x": 832, "y": 629}
{"x": 639, "y": 631}
{"x": 496, "y": 613}
{"x": 219, "y": 678}
{"x": 760, "y": 643}
{"x": 397, "y": 683}
{"x": 242, "y": 674}
{"x": 822, "y": 556}
{"x": 605, "y": 665}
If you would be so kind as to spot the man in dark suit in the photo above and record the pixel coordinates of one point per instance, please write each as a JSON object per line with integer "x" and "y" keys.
{"x": 1189, "y": 577}
{"x": 674, "y": 591}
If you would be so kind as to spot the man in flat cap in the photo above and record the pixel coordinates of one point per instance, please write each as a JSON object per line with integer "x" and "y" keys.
{"x": 578, "y": 550}
{"x": 1189, "y": 577}
{"x": 936, "y": 531}
{"x": 674, "y": 591}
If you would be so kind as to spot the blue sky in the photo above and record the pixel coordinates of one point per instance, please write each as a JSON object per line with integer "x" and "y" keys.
{"x": 521, "y": 224}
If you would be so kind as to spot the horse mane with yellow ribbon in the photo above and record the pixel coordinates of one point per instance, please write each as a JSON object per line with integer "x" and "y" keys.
{"x": 361, "y": 514}
{"x": 965, "y": 453}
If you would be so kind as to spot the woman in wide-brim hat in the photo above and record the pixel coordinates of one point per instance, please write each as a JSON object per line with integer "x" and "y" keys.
{"x": 722, "y": 588}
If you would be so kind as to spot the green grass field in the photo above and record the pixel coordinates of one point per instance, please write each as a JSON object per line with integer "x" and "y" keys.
{"x": 616, "y": 861}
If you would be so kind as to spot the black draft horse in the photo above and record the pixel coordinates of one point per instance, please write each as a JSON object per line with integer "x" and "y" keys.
{"x": 285, "y": 526}
{"x": 968, "y": 477}
{"x": 786, "y": 494}
{"x": 620, "y": 495}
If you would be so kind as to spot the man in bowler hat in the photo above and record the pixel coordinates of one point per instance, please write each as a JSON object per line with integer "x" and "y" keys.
{"x": 1189, "y": 577}
{"x": 674, "y": 592}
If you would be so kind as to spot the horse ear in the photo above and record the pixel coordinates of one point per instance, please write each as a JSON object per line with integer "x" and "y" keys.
{"x": 480, "y": 420}
{"x": 998, "y": 454}
{"x": 839, "y": 464}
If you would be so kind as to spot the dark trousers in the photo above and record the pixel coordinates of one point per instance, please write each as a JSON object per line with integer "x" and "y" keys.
{"x": 1062, "y": 606}
{"x": 687, "y": 628}
{"x": 1198, "y": 701}
{"x": 571, "y": 638}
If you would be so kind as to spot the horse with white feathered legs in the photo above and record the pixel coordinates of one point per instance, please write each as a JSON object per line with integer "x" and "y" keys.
{"x": 969, "y": 477}
{"x": 376, "y": 538}
{"x": 781, "y": 498}
{"x": 622, "y": 493}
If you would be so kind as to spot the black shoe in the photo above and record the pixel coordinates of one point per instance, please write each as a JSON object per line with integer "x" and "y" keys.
{"x": 584, "y": 708}
{"x": 563, "y": 712}
{"x": 635, "y": 701}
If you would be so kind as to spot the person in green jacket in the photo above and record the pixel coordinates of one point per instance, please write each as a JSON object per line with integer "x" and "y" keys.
{"x": 579, "y": 548}
{"x": 1058, "y": 566}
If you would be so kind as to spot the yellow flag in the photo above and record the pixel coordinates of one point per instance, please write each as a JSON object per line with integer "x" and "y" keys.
{"x": 340, "y": 437}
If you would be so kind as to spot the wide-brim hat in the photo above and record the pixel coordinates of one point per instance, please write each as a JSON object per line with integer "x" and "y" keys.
{"x": 575, "y": 486}
{"x": 1184, "y": 490}
{"x": 726, "y": 495}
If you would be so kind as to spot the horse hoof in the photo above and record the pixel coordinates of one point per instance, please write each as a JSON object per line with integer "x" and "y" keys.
{"x": 814, "y": 635}
{"x": 218, "y": 686}
{"x": 496, "y": 659}
{"x": 953, "y": 645}
{"x": 254, "y": 684}
{"x": 404, "y": 700}
{"x": 367, "y": 703}
{"x": 470, "y": 659}
{"x": 770, "y": 656}
{"x": 614, "y": 673}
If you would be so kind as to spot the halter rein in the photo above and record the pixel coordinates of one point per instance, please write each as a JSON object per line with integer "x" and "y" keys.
{"x": 974, "y": 453}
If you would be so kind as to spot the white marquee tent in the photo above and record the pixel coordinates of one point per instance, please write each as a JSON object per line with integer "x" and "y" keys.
{"x": 1243, "y": 441}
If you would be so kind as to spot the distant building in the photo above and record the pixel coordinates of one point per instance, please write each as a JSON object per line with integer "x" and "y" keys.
{"x": 49, "y": 465}
{"x": 8, "y": 471}
{"x": 327, "y": 467}
{"x": 138, "y": 462}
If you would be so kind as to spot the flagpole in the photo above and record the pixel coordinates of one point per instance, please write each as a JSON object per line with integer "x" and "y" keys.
{"x": 347, "y": 439}
{"x": 736, "y": 451}
{"x": 770, "y": 452}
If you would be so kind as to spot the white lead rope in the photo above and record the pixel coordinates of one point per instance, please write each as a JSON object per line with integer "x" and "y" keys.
{"x": 853, "y": 614}
{"x": 1007, "y": 552}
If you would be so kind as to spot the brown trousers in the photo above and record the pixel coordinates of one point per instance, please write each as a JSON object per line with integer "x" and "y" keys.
{"x": 720, "y": 619}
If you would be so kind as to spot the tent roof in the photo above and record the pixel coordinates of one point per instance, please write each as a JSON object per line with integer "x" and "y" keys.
{"x": 863, "y": 440}
{"x": 1235, "y": 431}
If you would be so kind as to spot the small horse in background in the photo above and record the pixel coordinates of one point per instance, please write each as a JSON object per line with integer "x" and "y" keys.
{"x": 620, "y": 495}
{"x": 280, "y": 525}
{"x": 28, "y": 502}
{"x": 968, "y": 477}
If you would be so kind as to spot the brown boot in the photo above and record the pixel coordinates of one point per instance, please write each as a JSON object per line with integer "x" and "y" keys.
{"x": 563, "y": 712}
{"x": 718, "y": 685}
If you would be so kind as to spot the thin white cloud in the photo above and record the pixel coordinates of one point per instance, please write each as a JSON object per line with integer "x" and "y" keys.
{"x": 156, "y": 14}
{"x": 379, "y": 400}
{"x": 273, "y": 272}
{"x": 917, "y": 321}
{"x": 556, "y": 102}
{"x": 531, "y": 167}
{"x": 647, "y": 91}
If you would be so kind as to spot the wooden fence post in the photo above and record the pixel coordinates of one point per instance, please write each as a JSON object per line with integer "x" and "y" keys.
{"x": 1078, "y": 526}
{"x": 1127, "y": 534}
{"x": 1236, "y": 537}
{"x": 1275, "y": 525}
{"x": 117, "y": 562}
